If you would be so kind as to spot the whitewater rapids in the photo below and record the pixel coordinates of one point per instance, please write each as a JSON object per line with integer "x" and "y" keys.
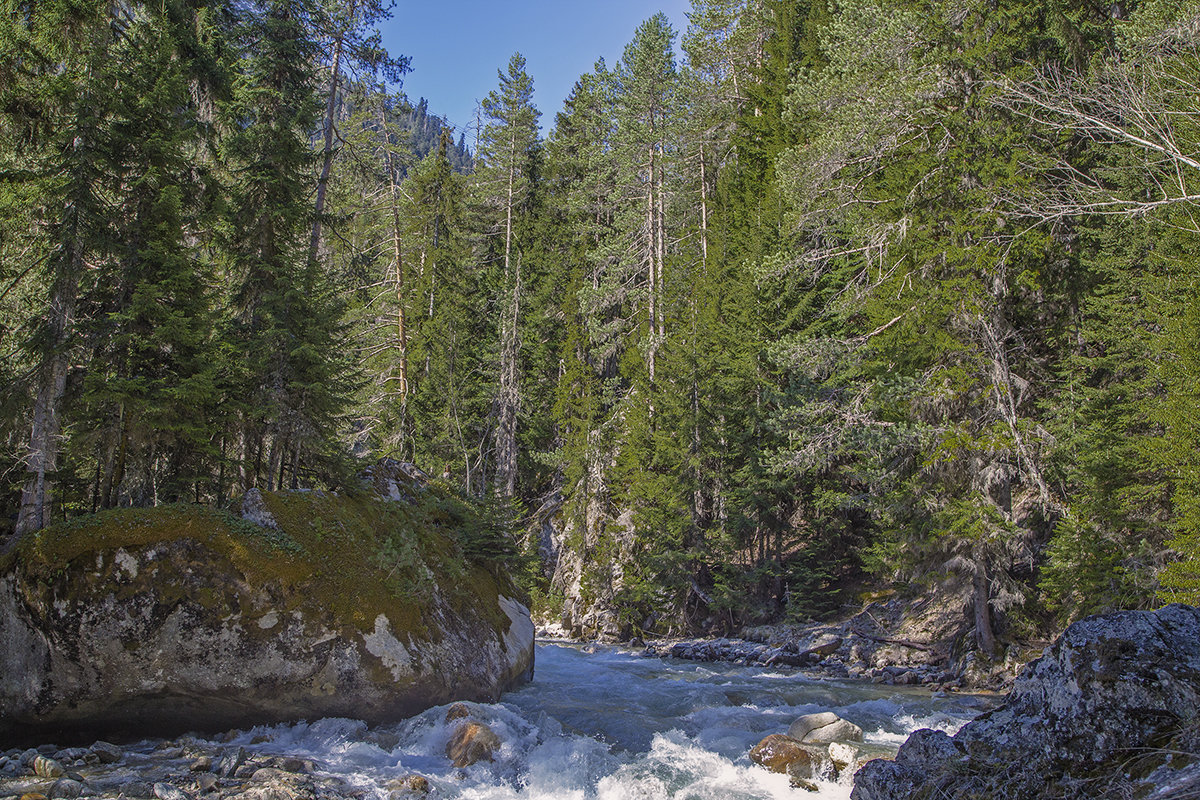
{"x": 615, "y": 726}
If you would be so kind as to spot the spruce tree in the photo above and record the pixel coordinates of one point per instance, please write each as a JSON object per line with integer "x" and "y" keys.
{"x": 505, "y": 176}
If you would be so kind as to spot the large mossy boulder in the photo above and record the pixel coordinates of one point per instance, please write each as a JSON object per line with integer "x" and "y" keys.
{"x": 143, "y": 621}
{"x": 1111, "y": 710}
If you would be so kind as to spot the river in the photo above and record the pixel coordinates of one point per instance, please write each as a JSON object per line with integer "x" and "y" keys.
{"x": 613, "y": 725}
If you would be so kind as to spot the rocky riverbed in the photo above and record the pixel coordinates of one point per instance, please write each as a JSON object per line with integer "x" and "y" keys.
{"x": 179, "y": 769}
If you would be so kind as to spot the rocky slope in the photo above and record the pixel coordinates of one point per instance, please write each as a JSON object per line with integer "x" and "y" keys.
{"x": 186, "y": 618}
{"x": 1111, "y": 710}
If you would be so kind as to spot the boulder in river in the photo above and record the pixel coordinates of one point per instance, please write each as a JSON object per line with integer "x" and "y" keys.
{"x": 156, "y": 621}
{"x": 824, "y": 727}
{"x": 784, "y": 754}
{"x": 1114, "y": 703}
{"x": 471, "y": 743}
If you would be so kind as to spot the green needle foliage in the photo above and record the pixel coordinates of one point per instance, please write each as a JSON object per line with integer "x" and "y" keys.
{"x": 813, "y": 298}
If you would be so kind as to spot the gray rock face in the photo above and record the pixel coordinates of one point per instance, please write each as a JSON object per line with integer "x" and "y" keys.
{"x": 1110, "y": 701}
{"x": 157, "y": 637}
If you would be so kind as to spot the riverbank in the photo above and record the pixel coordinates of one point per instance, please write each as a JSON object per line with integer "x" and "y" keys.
{"x": 892, "y": 640}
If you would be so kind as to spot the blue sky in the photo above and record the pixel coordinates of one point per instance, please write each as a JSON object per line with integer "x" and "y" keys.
{"x": 456, "y": 46}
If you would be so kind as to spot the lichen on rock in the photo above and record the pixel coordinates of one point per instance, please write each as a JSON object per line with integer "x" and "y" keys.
{"x": 1115, "y": 702}
{"x": 184, "y": 617}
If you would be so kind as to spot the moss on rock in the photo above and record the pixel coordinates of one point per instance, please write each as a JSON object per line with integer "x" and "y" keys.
{"x": 355, "y": 605}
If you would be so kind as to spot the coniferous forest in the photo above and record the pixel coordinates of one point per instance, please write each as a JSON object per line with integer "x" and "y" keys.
{"x": 814, "y": 294}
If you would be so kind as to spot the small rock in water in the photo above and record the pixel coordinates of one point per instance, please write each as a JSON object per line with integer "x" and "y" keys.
{"x": 47, "y": 767}
{"x": 108, "y": 753}
{"x": 810, "y": 722}
{"x": 66, "y": 789}
{"x": 457, "y": 711}
{"x": 784, "y": 754}
{"x": 206, "y": 782}
{"x": 292, "y": 764}
{"x": 26, "y": 758}
{"x": 840, "y": 731}
{"x": 137, "y": 789}
{"x": 270, "y": 774}
{"x": 472, "y": 743}
{"x": 165, "y": 791}
{"x": 230, "y": 763}
{"x": 408, "y": 786}
{"x": 201, "y": 764}
{"x": 34, "y": 796}
{"x": 70, "y": 754}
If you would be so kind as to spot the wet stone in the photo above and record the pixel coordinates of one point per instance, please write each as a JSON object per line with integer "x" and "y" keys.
{"x": 270, "y": 774}
{"x": 201, "y": 764}
{"x": 206, "y": 783}
{"x": 230, "y": 763}
{"x": 457, "y": 711}
{"x": 137, "y": 789}
{"x": 107, "y": 753}
{"x": 290, "y": 764}
{"x": 66, "y": 789}
{"x": 71, "y": 754}
{"x": 165, "y": 791}
{"x": 47, "y": 767}
{"x": 471, "y": 743}
{"x": 408, "y": 786}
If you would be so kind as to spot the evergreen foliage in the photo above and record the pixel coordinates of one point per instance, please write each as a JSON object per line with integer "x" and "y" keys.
{"x": 843, "y": 292}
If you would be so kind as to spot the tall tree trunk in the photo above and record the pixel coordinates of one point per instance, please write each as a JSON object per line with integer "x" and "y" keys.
{"x": 985, "y": 637}
{"x": 42, "y": 460}
{"x": 398, "y": 255}
{"x": 509, "y": 397}
{"x": 703, "y": 210}
{"x": 652, "y": 269}
{"x": 314, "y": 246}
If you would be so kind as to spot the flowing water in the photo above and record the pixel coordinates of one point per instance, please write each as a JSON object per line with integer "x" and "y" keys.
{"x": 613, "y": 725}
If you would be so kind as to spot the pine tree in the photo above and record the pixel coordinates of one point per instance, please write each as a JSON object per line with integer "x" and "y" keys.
{"x": 294, "y": 381}
{"x": 54, "y": 87}
{"x": 505, "y": 174}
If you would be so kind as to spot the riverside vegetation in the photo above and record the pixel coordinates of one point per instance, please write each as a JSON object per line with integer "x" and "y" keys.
{"x": 854, "y": 296}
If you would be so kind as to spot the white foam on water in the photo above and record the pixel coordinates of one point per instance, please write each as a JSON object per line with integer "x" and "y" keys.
{"x": 611, "y": 726}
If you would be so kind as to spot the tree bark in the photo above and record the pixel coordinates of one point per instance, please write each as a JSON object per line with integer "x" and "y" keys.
{"x": 985, "y": 637}
{"x": 509, "y": 398}
{"x": 314, "y": 246}
{"x": 42, "y": 460}
{"x": 398, "y": 255}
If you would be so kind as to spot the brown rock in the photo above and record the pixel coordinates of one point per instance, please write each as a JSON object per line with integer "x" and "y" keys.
{"x": 457, "y": 711}
{"x": 784, "y": 754}
{"x": 471, "y": 743}
{"x": 34, "y": 796}
{"x": 47, "y": 767}
{"x": 409, "y": 785}
{"x": 201, "y": 764}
